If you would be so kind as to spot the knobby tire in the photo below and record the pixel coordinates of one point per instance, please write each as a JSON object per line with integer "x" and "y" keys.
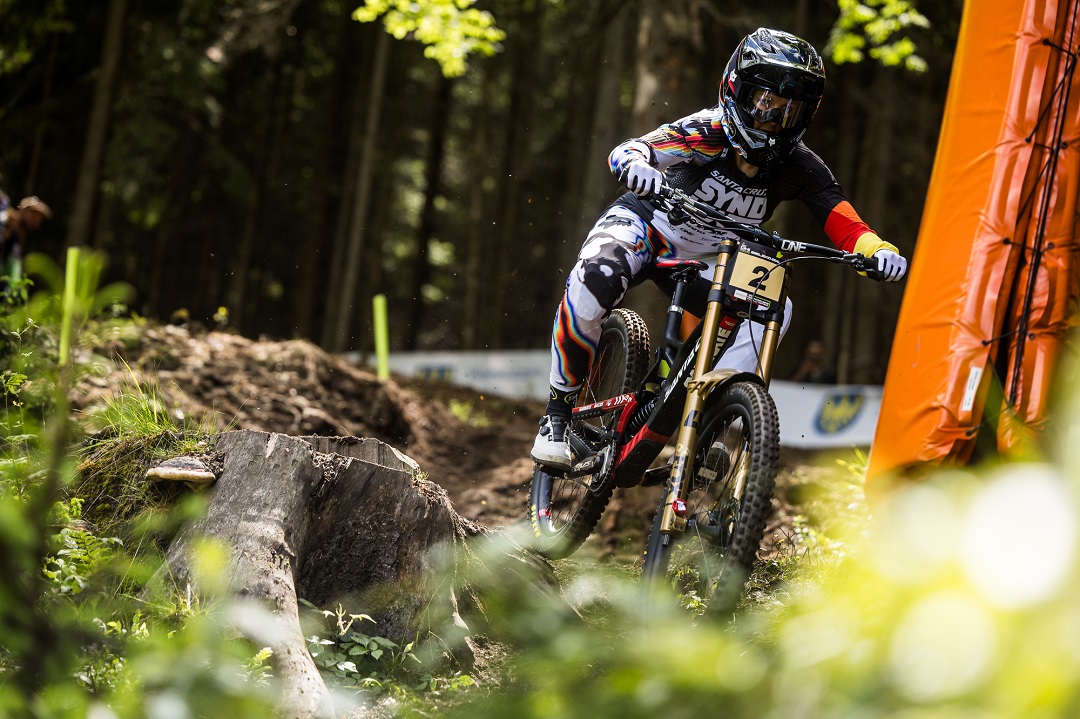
{"x": 716, "y": 553}
{"x": 564, "y": 511}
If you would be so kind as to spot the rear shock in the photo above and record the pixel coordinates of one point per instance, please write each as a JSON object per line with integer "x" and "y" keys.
{"x": 641, "y": 415}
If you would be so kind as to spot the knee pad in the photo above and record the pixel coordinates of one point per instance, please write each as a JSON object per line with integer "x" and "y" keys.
{"x": 606, "y": 278}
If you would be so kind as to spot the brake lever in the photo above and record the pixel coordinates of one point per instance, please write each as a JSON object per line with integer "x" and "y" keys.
{"x": 866, "y": 265}
{"x": 875, "y": 274}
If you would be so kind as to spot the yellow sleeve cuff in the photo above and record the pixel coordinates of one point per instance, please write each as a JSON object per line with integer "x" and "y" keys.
{"x": 869, "y": 243}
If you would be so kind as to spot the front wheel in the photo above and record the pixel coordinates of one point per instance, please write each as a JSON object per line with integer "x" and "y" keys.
{"x": 731, "y": 482}
{"x": 564, "y": 509}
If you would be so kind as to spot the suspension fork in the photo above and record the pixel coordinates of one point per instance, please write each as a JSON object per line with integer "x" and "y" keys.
{"x": 770, "y": 338}
{"x": 674, "y": 517}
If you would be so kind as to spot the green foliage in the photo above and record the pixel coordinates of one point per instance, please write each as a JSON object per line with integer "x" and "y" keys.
{"x": 954, "y": 602}
{"x": 111, "y": 479}
{"x": 93, "y": 313}
{"x": 138, "y": 657}
{"x": 451, "y": 30}
{"x": 258, "y": 667}
{"x": 77, "y": 640}
{"x": 16, "y": 291}
{"x": 24, "y": 28}
{"x": 80, "y": 555}
{"x": 831, "y": 525}
{"x": 879, "y": 25}
{"x": 134, "y": 410}
{"x": 31, "y": 332}
{"x": 132, "y": 431}
{"x": 17, "y": 425}
{"x": 352, "y": 659}
{"x": 464, "y": 410}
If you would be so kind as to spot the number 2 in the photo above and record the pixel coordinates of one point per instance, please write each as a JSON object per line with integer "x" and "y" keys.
{"x": 758, "y": 283}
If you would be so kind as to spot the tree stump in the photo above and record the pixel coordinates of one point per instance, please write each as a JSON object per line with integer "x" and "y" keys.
{"x": 331, "y": 520}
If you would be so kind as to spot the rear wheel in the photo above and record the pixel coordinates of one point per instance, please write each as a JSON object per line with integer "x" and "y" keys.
{"x": 563, "y": 508}
{"x": 732, "y": 478}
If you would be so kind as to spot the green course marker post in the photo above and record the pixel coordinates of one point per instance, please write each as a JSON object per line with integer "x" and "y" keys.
{"x": 71, "y": 276}
{"x": 382, "y": 337}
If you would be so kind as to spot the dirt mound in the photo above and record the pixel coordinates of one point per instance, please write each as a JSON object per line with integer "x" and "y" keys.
{"x": 475, "y": 447}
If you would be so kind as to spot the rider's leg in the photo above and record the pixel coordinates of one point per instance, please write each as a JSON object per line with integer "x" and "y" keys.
{"x": 618, "y": 248}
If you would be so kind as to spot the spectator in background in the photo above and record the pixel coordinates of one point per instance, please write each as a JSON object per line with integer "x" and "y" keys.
{"x": 813, "y": 369}
{"x": 18, "y": 223}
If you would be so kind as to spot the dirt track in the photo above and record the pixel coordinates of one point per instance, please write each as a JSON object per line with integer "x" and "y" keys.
{"x": 474, "y": 446}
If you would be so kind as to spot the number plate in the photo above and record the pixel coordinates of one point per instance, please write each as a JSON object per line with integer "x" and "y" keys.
{"x": 756, "y": 276}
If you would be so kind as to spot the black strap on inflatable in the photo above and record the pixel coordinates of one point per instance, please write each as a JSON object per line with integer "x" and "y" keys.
{"x": 1054, "y": 112}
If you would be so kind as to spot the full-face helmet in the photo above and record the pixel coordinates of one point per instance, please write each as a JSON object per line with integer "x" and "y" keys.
{"x": 772, "y": 87}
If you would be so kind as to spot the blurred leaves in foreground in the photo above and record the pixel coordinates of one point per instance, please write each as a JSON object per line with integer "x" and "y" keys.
{"x": 955, "y": 600}
{"x": 960, "y": 602}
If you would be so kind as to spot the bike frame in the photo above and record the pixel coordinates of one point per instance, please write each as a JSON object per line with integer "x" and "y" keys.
{"x": 681, "y": 394}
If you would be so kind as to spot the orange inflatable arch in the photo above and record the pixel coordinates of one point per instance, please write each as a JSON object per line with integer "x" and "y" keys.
{"x": 993, "y": 287}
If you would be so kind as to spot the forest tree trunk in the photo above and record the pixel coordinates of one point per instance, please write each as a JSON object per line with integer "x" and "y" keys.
{"x": 345, "y": 212}
{"x": 872, "y": 320}
{"x": 344, "y": 303}
{"x": 591, "y": 185}
{"x": 311, "y": 259}
{"x": 39, "y": 129}
{"x": 839, "y": 308}
{"x": 519, "y": 120}
{"x": 421, "y": 274}
{"x": 666, "y": 82}
{"x": 98, "y": 128}
{"x": 240, "y": 287}
{"x": 476, "y": 279}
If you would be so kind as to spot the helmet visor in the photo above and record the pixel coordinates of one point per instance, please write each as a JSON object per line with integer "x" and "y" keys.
{"x": 766, "y": 106}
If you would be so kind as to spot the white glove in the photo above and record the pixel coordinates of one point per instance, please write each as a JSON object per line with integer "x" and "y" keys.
{"x": 642, "y": 178}
{"x": 891, "y": 265}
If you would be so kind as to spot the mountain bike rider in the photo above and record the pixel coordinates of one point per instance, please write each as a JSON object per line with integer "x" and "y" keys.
{"x": 745, "y": 156}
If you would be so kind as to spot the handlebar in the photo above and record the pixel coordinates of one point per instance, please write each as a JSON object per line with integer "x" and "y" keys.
{"x": 682, "y": 207}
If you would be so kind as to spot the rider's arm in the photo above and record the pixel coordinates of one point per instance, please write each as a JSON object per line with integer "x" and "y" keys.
{"x": 697, "y": 138}
{"x": 822, "y": 194}
{"x": 849, "y": 233}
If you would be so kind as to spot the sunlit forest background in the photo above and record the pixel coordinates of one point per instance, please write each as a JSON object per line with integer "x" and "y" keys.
{"x": 266, "y": 167}
{"x": 269, "y": 167}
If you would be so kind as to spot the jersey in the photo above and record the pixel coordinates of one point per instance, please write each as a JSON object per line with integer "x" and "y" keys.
{"x": 696, "y": 157}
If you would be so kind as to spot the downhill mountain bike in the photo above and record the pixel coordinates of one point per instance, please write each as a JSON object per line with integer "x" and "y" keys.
{"x": 719, "y": 481}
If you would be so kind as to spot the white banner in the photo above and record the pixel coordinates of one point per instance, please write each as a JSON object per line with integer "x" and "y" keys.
{"x": 812, "y": 416}
{"x": 816, "y": 416}
{"x": 510, "y": 373}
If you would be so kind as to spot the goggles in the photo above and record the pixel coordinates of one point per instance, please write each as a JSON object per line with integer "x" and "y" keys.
{"x": 766, "y": 106}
